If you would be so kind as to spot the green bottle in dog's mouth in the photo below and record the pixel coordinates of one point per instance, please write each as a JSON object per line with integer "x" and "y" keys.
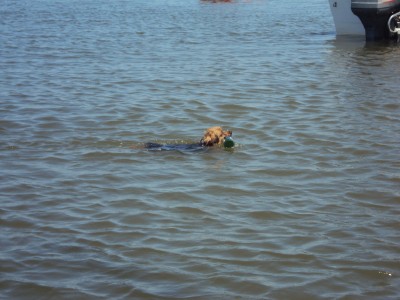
{"x": 228, "y": 142}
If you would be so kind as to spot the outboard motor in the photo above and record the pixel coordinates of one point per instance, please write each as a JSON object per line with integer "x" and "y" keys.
{"x": 381, "y": 18}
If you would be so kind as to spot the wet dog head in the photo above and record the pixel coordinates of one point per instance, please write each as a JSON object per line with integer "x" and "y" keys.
{"x": 214, "y": 136}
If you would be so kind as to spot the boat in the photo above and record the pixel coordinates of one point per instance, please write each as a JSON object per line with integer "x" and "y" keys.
{"x": 375, "y": 19}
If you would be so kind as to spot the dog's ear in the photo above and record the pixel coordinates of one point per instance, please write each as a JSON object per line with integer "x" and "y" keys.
{"x": 214, "y": 138}
{"x": 206, "y": 140}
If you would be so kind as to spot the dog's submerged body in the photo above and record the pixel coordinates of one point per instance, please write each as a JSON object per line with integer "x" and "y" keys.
{"x": 174, "y": 147}
{"x": 212, "y": 136}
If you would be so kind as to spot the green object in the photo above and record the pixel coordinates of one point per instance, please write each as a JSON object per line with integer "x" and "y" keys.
{"x": 229, "y": 143}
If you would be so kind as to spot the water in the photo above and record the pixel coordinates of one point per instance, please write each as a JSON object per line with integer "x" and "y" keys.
{"x": 306, "y": 206}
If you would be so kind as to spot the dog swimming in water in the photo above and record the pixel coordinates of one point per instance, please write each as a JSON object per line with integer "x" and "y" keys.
{"x": 212, "y": 136}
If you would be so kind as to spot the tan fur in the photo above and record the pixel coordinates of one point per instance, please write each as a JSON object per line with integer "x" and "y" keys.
{"x": 214, "y": 136}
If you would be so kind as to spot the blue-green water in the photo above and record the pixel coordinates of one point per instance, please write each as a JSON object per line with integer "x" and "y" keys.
{"x": 306, "y": 206}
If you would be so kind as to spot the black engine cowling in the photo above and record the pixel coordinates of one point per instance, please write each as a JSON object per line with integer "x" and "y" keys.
{"x": 374, "y": 15}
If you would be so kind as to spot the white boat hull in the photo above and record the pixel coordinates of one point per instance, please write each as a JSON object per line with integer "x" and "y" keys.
{"x": 346, "y": 22}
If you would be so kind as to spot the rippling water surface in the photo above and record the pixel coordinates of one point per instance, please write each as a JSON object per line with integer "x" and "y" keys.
{"x": 306, "y": 206}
